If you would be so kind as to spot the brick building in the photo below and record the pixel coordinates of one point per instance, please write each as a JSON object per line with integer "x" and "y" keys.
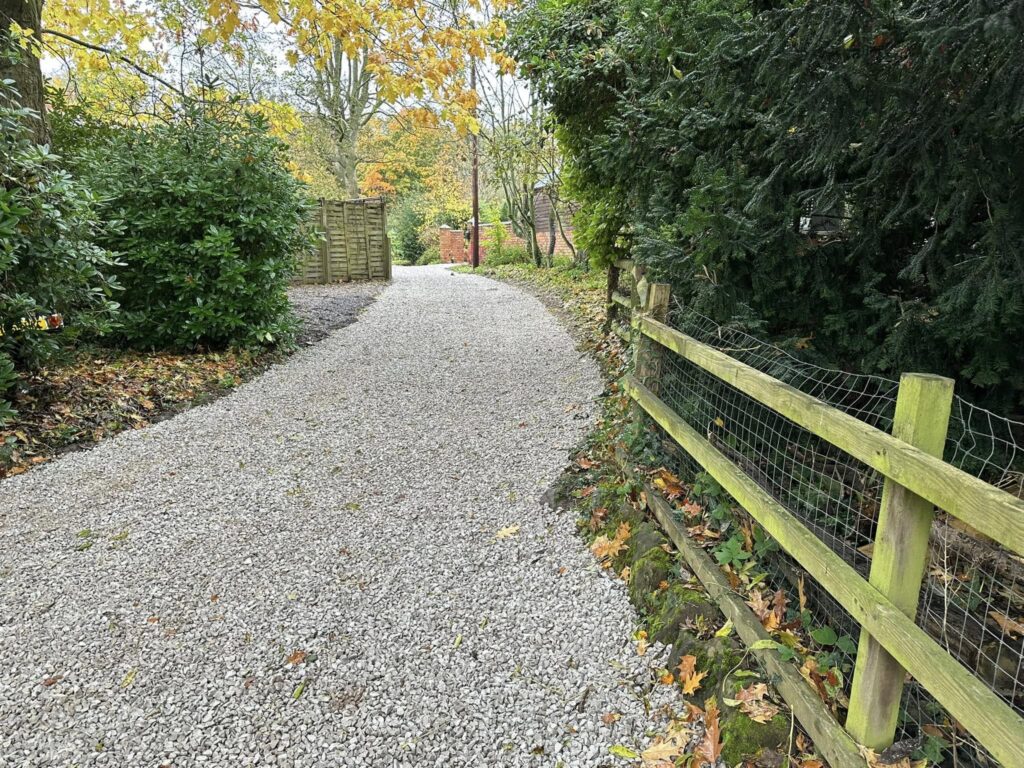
{"x": 456, "y": 248}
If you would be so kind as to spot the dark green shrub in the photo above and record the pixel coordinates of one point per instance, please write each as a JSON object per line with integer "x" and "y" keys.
{"x": 406, "y": 220}
{"x": 211, "y": 224}
{"x": 49, "y": 261}
{"x": 844, "y": 176}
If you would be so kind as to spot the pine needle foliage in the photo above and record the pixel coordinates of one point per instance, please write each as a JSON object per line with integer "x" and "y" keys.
{"x": 846, "y": 177}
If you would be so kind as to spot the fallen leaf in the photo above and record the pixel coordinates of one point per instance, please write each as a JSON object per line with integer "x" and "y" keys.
{"x": 726, "y": 629}
{"x": 129, "y": 678}
{"x": 687, "y": 665}
{"x": 598, "y": 517}
{"x": 692, "y": 683}
{"x": 667, "y": 678}
{"x": 642, "y": 645}
{"x": 297, "y": 657}
{"x": 753, "y": 704}
{"x": 620, "y": 750}
{"x": 691, "y": 508}
{"x": 609, "y": 718}
{"x": 1008, "y": 625}
{"x": 507, "y": 532}
{"x": 660, "y": 752}
{"x": 606, "y": 549}
{"x": 759, "y": 604}
{"x": 874, "y": 760}
{"x": 669, "y": 485}
{"x": 710, "y": 747}
{"x": 585, "y": 463}
{"x": 52, "y": 680}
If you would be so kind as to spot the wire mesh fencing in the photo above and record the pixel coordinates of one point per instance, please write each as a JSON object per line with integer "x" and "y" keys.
{"x": 972, "y": 600}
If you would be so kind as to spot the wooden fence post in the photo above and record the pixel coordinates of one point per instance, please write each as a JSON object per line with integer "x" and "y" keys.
{"x": 325, "y": 246}
{"x": 645, "y": 365}
{"x": 611, "y": 309}
{"x": 899, "y": 559}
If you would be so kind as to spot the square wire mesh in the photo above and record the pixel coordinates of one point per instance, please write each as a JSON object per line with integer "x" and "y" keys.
{"x": 972, "y": 600}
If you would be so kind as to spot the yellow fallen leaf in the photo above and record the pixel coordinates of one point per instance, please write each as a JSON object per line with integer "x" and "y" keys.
{"x": 129, "y": 678}
{"x": 659, "y": 752}
{"x": 508, "y": 531}
{"x": 692, "y": 684}
{"x": 641, "y": 642}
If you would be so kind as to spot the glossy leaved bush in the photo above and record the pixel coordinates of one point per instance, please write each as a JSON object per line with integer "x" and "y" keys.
{"x": 210, "y": 224}
{"x": 50, "y": 261}
{"x": 845, "y": 177}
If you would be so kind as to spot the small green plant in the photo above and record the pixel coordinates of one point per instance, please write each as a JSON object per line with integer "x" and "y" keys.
{"x": 513, "y": 254}
{"x": 431, "y": 255}
{"x": 731, "y": 552}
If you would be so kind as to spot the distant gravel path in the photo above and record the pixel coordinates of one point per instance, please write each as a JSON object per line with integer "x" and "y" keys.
{"x": 307, "y": 572}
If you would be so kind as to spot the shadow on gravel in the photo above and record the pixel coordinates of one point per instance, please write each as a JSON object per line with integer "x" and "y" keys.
{"x": 325, "y": 308}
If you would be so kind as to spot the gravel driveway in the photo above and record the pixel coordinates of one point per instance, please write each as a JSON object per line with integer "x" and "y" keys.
{"x": 309, "y": 571}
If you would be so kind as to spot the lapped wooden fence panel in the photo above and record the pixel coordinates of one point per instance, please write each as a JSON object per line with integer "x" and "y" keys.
{"x": 355, "y": 244}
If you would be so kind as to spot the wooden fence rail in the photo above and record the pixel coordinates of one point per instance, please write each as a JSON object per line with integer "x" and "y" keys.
{"x": 916, "y": 481}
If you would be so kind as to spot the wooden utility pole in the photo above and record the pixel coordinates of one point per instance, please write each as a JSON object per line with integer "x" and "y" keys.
{"x": 475, "y": 150}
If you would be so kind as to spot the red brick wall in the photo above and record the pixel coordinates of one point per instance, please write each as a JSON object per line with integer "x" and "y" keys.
{"x": 455, "y": 249}
{"x": 453, "y": 245}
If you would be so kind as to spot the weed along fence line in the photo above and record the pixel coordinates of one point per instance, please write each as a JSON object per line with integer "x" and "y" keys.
{"x": 355, "y": 244}
{"x": 914, "y": 561}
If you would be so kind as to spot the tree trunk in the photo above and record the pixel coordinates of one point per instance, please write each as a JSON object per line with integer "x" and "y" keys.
{"x": 531, "y": 203}
{"x": 345, "y": 171}
{"x": 25, "y": 70}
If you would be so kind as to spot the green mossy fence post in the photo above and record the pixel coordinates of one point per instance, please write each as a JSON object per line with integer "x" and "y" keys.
{"x": 899, "y": 559}
{"x": 611, "y": 308}
{"x": 653, "y": 300}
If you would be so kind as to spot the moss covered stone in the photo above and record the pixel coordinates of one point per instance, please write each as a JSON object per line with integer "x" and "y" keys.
{"x": 676, "y": 608}
{"x": 645, "y": 537}
{"x": 646, "y": 574}
{"x": 716, "y": 657}
{"x": 743, "y": 738}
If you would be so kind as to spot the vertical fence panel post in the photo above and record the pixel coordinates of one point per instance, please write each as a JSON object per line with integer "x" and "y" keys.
{"x": 645, "y": 361}
{"x": 611, "y": 309}
{"x": 325, "y": 253}
{"x": 899, "y": 559}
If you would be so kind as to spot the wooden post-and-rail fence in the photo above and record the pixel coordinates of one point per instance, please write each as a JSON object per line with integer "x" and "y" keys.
{"x": 916, "y": 482}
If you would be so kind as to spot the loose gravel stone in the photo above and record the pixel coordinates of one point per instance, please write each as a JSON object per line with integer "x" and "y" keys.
{"x": 307, "y": 572}
{"x": 325, "y": 308}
